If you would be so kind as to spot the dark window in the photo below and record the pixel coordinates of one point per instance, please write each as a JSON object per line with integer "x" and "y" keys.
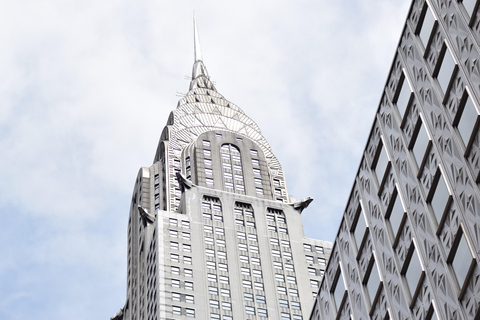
{"x": 466, "y": 118}
{"x": 403, "y": 97}
{"x": 462, "y": 260}
{"x": 412, "y": 270}
{"x": 339, "y": 290}
{"x": 439, "y": 196}
{"x": 444, "y": 68}
{"x": 420, "y": 143}
{"x": 426, "y": 25}
{"x": 360, "y": 228}
{"x": 381, "y": 162}
{"x": 372, "y": 281}
{"x": 395, "y": 213}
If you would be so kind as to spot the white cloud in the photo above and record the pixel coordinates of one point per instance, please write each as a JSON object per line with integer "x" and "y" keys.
{"x": 87, "y": 87}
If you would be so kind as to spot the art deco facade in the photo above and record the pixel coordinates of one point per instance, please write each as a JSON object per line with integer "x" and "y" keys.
{"x": 212, "y": 232}
{"x": 409, "y": 240}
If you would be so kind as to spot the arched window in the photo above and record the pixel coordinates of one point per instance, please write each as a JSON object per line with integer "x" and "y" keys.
{"x": 232, "y": 168}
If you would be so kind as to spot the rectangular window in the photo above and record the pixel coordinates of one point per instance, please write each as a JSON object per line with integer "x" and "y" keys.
{"x": 188, "y": 285}
{"x": 321, "y": 261}
{"x": 250, "y": 310}
{"x": 173, "y": 233}
{"x": 276, "y": 253}
{"x": 188, "y": 273}
{"x": 248, "y": 296}
{"x": 187, "y": 260}
{"x": 360, "y": 228}
{"x": 186, "y": 236}
{"x": 426, "y": 25}
{"x": 285, "y": 243}
{"x": 289, "y": 267}
{"x": 307, "y": 247}
{"x": 174, "y": 257}
{"x": 254, "y": 153}
{"x": 257, "y": 273}
{"x": 402, "y": 99}
{"x": 412, "y": 270}
{"x": 222, "y": 267}
{"x": 445, "y": 69}
{"x": 187, "y": 248}
{"x": 255, "y": 260}
{"x": 282, "y": 230}
{"x": 175, "y": 283}
{"x": 279, "y": 277}
{"x": 287, "y": 255}
{"x": 173, "y": 245}
{"x": 243, "y": 259}
{"x": 262, "y": 312}
{"x": 252, "y": 237}
{"x": 258, "y": 286}
{"x": 176, "y": 310}
{"x": 222, "y": 255}
{"x": 293, "y": 292}
{"x": 189, "y": 298}
{"x": 206, "y": 143}
{"x": 439, "y": 196}
{"x": 260, "y": 299}
{"x": 242, "y": 247}
{"x": 220, "y": 242}
{"x": 223, "y": 279}
{"x": 314, "y": 283}
{"x": 272, "y": 228}
{"x": 277, "y": 265}
{"x": 175, "y": 270}
{"x": 295, "y": 305}
{"x": 250, "y": 224}
{"x": 214, "y": 304}
{"x": 312, "y": 271}
{"x": 253, "y": 248}
{"x": 213, "y": 290}
{"x": 212, "y": 277}
{"x": 190, "y": 313}
{"x": 291, "y": 279}
{"x": 283, "y": 303}
{"x": 282, "y": 290}
{"x": 207, "y": 153}
{"x": 208, "y": 162}
{"x": 466, "y": 118}
{"x": 462, "y": 261}
{"x": 245, "y": 271}
{"x": 247, "y": 283}
{"x": 210, "y": 252}
{"x": 224, "y": 292}
{"x": 319, "y": 249}
{"x": 211, "y": 265}
{"x": 259, "y": 190}
{"x": 173, "y": 222}
{"x": 226, "y": 305}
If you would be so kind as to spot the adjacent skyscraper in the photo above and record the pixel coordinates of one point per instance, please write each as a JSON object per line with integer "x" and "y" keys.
{"x": 409, "y": 241}
{"x": 212, "y": 232}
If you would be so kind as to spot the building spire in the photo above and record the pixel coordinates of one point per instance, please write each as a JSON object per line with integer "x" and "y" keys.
{"x": 197, "y": 49}
{"x": 199, "y": 70}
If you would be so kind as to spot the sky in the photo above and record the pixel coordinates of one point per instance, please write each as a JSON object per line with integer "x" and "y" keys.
{"x": 86, "y": 88}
